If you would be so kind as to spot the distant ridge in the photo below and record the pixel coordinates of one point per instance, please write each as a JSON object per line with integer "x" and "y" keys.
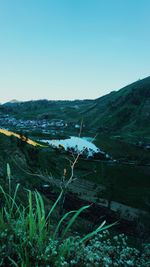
{"x": 126, "y": 111}
{"x": 13, "y": 101}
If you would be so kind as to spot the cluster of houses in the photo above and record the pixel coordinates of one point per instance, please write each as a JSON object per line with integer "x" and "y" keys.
{"x": 6, "y": 120}
{"x": 144, "y": 145}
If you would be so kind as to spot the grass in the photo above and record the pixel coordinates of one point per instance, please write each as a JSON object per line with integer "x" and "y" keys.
{"x": 27, "y": 231}
{"x": 29, "y": 237}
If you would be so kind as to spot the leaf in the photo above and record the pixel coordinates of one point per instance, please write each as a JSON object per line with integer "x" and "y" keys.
{"x": 54, "y": 205}
{"x": 74, "y": 218}
{"x": 99, "y": 229}
{"x": 61, "y": 220}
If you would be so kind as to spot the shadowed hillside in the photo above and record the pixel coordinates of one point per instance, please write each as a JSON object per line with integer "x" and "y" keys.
{"x": 124, "y": 112}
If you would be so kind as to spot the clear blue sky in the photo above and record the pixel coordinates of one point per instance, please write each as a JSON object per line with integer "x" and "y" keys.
{"x": 72, "y": 49}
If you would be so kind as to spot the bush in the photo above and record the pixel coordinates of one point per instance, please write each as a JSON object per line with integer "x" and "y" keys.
{"x": 28, "y": 238}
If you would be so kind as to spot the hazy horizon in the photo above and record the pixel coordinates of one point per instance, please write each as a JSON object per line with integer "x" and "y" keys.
{"x": 65, "y": 50}
{"x": 65, "y": 99}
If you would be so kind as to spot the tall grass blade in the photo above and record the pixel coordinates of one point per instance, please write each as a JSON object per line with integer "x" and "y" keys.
{"x": 31, "y": 218}
{"x": 60, "y": 222}
{"x": 6, "y": 196}
{"x": 99, "y": 229}
{"x": 13, "y": 262}
{"x": 2, "y": 222}
{"x": 54, "y": 205}
{"x": 9, "y": 177}
{"x": 73, "y": 219}
{"x": 41, "y": 222}
{"x": 14, "y": 197}
{"x": 42, "y": 208}
{"x": 10, "y": 202}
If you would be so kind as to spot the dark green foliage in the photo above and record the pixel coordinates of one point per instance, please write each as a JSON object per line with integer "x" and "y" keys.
{"x": 28, "y": 237}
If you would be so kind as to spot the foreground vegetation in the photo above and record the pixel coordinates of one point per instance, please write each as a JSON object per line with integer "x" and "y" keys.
{"x": 124, "y": 183}
{"x": 29, "y": 236}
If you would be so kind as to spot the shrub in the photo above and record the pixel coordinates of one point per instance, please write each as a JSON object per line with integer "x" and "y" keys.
{"x": 28, "y": 238}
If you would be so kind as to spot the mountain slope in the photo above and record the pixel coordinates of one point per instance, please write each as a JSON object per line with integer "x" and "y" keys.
{"x": 46, "y": 109}
{"x": 126, "y": 110}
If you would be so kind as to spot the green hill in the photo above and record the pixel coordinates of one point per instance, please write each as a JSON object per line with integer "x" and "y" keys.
{"x": 124, "y": 111}
{"x": 46, "y": 109}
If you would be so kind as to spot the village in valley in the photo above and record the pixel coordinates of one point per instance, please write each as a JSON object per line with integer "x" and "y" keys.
{"x": 54, "y": 127}
{"x": 9, "y": 121}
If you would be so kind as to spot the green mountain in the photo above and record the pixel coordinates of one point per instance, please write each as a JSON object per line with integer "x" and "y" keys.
{"x": 47, "y": 109}
{"x": 124, "y": 112}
